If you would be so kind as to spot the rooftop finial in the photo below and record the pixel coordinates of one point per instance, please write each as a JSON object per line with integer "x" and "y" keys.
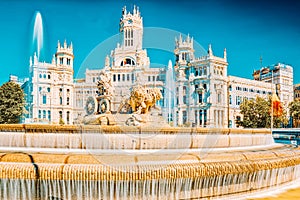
{"x": 210, "y": 52}
{"x": 53, "y": 59}
{"x": 65, "y": 44}
{"x": 58, "y": 44}
{"x": 124, "y": 11}
{"x": 180, "y": 38}
{"x": 134, "y": 9}
{"x": 225, "y": 54}
{"x": 30, "y": 61}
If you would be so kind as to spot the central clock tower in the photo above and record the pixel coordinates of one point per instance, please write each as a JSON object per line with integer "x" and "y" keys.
{"x": 131, "y": 29}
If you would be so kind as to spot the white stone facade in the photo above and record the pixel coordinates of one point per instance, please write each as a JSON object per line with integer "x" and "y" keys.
{"x": 205, "y": 96}
{"x": 281, "y": 75}
{"x": 128, "y": 65}
{"x": 50, "y": 89}
{"x": 200, "y": 86}
{"x": 240, "y": 89}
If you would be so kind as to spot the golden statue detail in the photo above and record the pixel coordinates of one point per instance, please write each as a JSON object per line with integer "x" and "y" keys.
{"x": 141, "y": 100}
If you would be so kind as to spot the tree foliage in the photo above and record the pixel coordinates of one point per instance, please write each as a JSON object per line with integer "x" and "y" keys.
{"x": 257, "y": 114}
{"x": 294, "y": 108}
{"x": 11, "y": 103}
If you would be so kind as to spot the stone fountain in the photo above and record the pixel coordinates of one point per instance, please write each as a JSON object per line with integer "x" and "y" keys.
{"x": 132, "y": 154}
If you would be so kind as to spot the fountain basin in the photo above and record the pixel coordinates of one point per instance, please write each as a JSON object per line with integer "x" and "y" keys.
{"x": 101, "y": 162}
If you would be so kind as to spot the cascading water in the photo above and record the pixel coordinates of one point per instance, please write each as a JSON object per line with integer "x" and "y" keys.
{"x": 170, "y": 93}
{"x": 38, "y": 33}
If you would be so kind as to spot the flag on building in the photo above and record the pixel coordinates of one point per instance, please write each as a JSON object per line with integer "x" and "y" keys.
{"x": 277, "y": 106}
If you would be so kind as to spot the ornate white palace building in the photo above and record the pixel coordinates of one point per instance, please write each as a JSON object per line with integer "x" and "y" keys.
{"x": 204, "y": 95}
{"x": 50, "y": 88}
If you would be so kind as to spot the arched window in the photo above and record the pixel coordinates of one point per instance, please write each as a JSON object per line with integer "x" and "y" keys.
{"x": 127, "y": 62}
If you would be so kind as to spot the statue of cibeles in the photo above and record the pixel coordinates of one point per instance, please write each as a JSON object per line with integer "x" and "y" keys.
{"x": 104, "y": 84}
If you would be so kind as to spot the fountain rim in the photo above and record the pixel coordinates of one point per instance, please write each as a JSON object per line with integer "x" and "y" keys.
{"x": 53, "y": 128}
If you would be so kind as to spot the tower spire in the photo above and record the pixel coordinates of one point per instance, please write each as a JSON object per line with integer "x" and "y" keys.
{"x": 260, "y": 60}
{"x": 210, "y": 52}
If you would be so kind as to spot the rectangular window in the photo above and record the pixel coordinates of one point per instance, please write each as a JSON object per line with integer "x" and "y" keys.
{"x": 128, "y": 77}
{"x": 230, "y": 99}
{"x": 68, "y": 100}
{"x": 114, "y": 78}
{"x": 60, "y": 100}
{"x": 119, "y": 77}
{"x": 200, "y": 98}
{"x": 201, "y": 116}
{"x": 200, "y": 71}
{"x": 238, "y": 100}
{"x": 40, "y": 114}
{"x": 205, "y": 117}
{"x": 44, "y": 114}
{"x": 204, "y": 70}
{"x": 44, "y": 99}
{"x": 219, "y": 98}
{"x": 123, "y": 77}
{"x": 184, "y": 99}
{"x": 184, "y": 117}
{"x": 68, "y": 117}
{"x": 61, "y": 61}
{"x": 49, "y": 115}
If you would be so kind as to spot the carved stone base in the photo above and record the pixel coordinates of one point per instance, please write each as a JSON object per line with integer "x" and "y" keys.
{"x": 101, "y": 119}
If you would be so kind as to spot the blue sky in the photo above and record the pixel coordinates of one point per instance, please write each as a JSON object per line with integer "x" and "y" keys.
{"x": 248, "y": 29}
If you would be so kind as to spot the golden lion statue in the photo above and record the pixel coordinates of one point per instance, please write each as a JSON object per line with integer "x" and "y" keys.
{"x": 141, "y": 100}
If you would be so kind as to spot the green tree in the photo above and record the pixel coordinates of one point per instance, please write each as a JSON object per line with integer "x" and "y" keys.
{"x": 11, "y": 103}
{"x": 294, "y": 108}
{"x": 257, "y": 114}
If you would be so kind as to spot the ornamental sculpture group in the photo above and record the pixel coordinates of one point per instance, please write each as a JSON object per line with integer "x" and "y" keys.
{"x": 141, "y": 100}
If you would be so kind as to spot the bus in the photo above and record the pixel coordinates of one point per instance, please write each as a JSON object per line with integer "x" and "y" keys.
{"x": 287, "y": 136}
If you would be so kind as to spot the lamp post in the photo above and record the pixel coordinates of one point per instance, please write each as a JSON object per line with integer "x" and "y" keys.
{"x": 272, "y": 109}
